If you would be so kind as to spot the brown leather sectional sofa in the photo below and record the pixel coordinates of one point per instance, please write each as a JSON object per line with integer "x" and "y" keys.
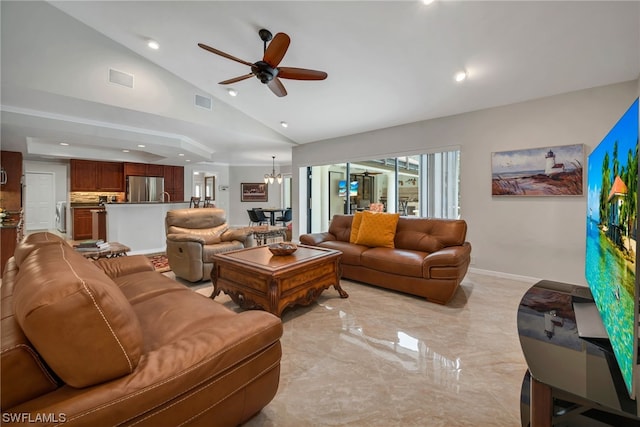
{"x": 430, "y": 257}
{"x": 113, "y": 342}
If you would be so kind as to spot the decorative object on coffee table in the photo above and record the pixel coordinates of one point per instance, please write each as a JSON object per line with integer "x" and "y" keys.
{"x": 255, "y": 279}
{"x": 284, "y": 248}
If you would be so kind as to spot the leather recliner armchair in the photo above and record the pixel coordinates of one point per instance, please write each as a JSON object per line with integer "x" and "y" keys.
{"x": 195, "y": 235}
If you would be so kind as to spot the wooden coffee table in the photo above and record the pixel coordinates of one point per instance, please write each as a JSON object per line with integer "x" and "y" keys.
{"x": 254, "y": 278}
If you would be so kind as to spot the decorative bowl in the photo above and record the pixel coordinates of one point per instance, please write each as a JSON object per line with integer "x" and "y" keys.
{"x": 284, "y": 248}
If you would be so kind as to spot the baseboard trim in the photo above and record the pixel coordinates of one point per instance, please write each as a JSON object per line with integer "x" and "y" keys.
{"x": 503, "y": 275}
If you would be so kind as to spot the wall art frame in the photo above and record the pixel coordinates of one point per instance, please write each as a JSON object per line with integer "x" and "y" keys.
{"x": 544, "y": 171}
{"x": 254, "y": 192}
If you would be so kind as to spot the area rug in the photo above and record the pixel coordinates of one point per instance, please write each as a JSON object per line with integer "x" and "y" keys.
{"x": 160, "y": 262}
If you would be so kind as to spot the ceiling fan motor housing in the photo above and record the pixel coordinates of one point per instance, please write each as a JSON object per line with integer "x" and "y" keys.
{"x": 264, "y": 72}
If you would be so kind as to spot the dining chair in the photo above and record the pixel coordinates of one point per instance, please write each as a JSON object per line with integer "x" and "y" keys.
{"x": 286, "y": 217}
{"x": 256, "y": 217}
{"x": 262, "y": 218}
{"x": 208, "y": 203}
{"x": 195, "y": 202}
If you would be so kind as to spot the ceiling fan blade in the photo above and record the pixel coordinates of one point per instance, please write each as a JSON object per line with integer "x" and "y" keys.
{"x": 226, "y": 55}
{"x": 276, "y": 49}
{"x": 236, "y": 79}
{"x": 277, "y": 87}
{"x": 300, "y": 74}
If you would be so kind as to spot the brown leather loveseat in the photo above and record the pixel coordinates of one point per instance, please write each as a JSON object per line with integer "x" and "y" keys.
{"x": 113, "y": 342}
{"x": 430, "y": 256}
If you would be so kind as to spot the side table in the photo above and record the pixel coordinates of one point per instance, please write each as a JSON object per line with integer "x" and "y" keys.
{"x": 115, "y": 249}
{"x": 571, "y": 381}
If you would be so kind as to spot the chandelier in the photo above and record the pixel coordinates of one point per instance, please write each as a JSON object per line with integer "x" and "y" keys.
{"x": 269, "y": 179}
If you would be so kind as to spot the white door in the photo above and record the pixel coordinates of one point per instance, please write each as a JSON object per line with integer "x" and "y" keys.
{"x": 40, "y": 210}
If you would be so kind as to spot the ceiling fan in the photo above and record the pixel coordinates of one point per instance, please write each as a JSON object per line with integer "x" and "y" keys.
{"x": 267, "y": 70}
{"x": 367, "y": 173}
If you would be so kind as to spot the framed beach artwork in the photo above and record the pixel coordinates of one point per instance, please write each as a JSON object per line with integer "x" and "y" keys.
{"x": 254, "y": 192}
{"x": 544, "y": 171}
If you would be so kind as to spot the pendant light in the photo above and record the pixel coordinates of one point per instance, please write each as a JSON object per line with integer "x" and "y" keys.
{"x": 269, "y": 179}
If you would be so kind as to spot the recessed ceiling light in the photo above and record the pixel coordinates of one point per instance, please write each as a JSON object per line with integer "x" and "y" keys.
{"x": 181, "y": 154}
{"x": 187, "y": 160}
{"x": 196, "y": 173}
{"x": 460, "y": 76}
{"x": 427, "y": 2}
{"x": 64, "y": 143}
{"x": 141, "y": 145}
{"x": 125, "y": 151}
{"x": 284, "y": 124}
{"x": 232, "y": 92}
{"x": 153, "y": 44}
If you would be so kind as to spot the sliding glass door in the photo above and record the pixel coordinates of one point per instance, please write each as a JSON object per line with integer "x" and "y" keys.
{"x": 424, "y": 185}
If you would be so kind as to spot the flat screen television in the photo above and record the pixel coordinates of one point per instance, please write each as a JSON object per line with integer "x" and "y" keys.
{"x": 342, "y": 188}
{"x": 611, "y": 234}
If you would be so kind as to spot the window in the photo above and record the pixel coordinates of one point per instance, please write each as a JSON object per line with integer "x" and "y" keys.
{"x": 442, "y": 189}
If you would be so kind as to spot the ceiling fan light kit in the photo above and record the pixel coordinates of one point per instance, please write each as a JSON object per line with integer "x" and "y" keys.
{"x": 267, "y": 70}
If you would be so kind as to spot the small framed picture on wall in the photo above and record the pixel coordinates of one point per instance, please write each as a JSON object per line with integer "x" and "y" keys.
{"x": 254, "y": 192}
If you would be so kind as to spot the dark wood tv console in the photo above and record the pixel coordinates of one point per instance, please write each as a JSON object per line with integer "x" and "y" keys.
{"x": 570, "y": 381}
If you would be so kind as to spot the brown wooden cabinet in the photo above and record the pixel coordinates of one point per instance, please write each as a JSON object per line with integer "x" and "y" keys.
{"x": 8, "y": 241}
{"x": 84, "y": 175}
{"x": 82, "y": 223}
{"x": 174, "y": 182}
{"x": 11, "y": 191}
{"x": 143, "y": 169}
{"x": 110, "y": 176}
{"x": 89, "y": 175}
{"x": 155, "y": 170}
{"x": 99, "y": 221}
{"x": 135, "y": 169}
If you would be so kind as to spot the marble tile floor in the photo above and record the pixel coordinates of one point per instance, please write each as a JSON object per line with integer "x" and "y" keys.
{"x": 383, "y": 358}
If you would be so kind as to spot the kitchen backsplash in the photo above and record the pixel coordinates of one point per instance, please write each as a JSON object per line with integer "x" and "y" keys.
{"x": 92, "y": 196}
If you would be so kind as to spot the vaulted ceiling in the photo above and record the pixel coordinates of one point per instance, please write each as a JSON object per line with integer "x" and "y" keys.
{"x": 388, "y": 63}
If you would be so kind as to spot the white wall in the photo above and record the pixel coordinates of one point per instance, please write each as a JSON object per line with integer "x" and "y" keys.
{"x": 237, "y": 213}
{"x": 540, "y": 237}
{"x": 221, "y": 172}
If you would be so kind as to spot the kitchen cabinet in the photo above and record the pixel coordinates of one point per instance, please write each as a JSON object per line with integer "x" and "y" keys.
{"x": 89, "y": 175}
{"x": 8, "y": 241}
{"x": 143, "y": 169}
{"x": 174, "y": 182}
{"x": 11, "y": 190}
{"x": 135, "y": 169}
{"x": 99, "y": 224}
{"x": 82, "y": 223}
{"x": 84, "y": 175}
{"x": 110, "y": 176}
{"x": 155, "y": 170}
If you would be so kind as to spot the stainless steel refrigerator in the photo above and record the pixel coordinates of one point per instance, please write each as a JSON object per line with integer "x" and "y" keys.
{"x": 144, "y": 188}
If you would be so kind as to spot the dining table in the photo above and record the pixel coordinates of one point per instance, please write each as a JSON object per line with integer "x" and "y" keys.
{"x": 271, "y": 212}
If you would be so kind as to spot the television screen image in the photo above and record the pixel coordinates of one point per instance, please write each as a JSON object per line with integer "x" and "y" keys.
{"x": 611, "y": 235}
{"x": 342, "y": 188}
{"x": 353, "y": 188}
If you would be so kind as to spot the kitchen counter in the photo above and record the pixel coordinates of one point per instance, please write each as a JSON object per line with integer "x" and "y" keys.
{"x": 140, "y": 225}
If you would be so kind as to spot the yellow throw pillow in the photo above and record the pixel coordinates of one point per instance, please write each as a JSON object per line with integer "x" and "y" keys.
{"x": 355, "y": 227}
{"x": 378, "y": 229}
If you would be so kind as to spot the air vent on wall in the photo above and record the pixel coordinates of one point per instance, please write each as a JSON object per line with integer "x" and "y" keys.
{"x": 203, "y": 102}
{"x": 121, "y": 78}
